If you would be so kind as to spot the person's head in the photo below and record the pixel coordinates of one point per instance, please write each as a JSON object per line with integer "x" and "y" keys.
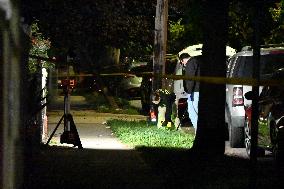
{"x": 184, "y": 57}
{"x": 156, "y": 98}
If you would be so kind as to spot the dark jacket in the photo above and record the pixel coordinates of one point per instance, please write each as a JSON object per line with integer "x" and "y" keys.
{"x": 167, "y": 98}
{"x": 192, "y": 69}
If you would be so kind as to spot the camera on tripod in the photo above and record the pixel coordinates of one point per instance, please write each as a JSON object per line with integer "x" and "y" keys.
{"x": 68, "y": 84}
{"x": 70, "y": 134}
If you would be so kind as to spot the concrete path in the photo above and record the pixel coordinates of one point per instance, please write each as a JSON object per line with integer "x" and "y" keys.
{"x": 92, "y": 128}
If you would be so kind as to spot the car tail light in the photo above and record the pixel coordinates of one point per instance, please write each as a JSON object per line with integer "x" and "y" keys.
{"x": 277, "y": 52}
{"x": 238, "y": 99}
{"x": 248, "y": 111}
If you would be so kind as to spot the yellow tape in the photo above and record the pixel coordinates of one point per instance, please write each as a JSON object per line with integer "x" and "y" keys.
{"x": 221, "y": 80}
{"x": 117, "y": 74}
{"x": 212, "y": 80}
{"x": 75, "y": 75}
{"x": 88, "y": 75}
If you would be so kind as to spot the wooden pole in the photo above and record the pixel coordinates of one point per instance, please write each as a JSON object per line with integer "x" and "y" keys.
{"x": 160, "y": 42}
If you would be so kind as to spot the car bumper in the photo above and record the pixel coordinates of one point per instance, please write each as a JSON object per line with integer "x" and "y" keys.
{"x": 238, "y": 121}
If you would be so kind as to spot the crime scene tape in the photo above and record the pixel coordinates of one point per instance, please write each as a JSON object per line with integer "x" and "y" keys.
{"x": 205, "y": 79}
{"x": 117, "y": 74}
{"x": 212, "y": 80}
{"x": 222, "y": 80}
{"x": 90, "y": 75}
{"x": 74, "y": 75}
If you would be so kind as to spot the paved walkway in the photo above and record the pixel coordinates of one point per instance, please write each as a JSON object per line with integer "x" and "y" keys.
{"x": 91, "y": 125}
{"x": 92, "y": 128}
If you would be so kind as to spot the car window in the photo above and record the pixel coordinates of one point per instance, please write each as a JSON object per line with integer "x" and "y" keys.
{"x": 269, "y": 63}
{"x": 235, "y": 69}
{"x": 272, "y": 63}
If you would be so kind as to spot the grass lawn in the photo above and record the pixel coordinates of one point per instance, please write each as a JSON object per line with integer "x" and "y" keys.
{"x": 160, "y": 148}
{"x": 140, "y": 134}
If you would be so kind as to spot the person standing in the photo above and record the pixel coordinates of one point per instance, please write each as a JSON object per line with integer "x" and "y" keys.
{"x": 192, "y": 69}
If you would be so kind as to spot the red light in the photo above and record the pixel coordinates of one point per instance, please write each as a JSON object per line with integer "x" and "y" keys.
{"x": 238, "y": 99}
{"x": 277, "y": 52}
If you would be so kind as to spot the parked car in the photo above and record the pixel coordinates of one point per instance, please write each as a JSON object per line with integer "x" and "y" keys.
{"x": 120, "y": 81}
{"x": 130, "y": 86}
{"x": 240, "y": 66}
{"x": 271, "y": 118}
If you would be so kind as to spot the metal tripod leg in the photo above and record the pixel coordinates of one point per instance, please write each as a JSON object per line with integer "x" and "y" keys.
{"x": 73, "y": 129}
{"x": 55, "y": 130}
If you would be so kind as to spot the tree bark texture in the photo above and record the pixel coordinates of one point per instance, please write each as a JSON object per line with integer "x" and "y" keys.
{"x": 160, "y": 42}
{"x": 210, "y": 136}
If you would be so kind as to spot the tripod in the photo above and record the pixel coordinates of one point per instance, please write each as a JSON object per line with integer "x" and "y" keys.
{"x": 70, "y": 134}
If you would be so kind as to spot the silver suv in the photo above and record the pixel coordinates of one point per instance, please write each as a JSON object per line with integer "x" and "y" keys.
{"x": 240, "y": 66}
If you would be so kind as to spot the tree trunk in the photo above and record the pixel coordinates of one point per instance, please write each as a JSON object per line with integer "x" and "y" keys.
{"x": 210, "y": 136}
{"x": 113, "y": 55}
{"x": 108, "y": 56}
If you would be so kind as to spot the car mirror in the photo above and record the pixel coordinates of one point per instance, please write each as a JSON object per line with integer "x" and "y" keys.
{"x": 249, "y": 95}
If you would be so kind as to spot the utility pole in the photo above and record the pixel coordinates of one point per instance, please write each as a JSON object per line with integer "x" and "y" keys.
{"x": 160, "y": 43}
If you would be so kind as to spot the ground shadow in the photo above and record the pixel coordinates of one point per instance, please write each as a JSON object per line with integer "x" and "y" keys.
{"x": 61, "y": 167}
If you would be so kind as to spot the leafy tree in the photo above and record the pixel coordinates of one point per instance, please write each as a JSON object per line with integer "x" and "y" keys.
{"x": 176, "y": 31}
{"x": 92, "y": 27}
{"x": 192, "y": 12}
{"x": 277, "y": 20}
{"x": 240, "y": 29}
{"x": 241, "y": 21}
{"x": 39, "y": 47}
{"x": 95, "y": 28}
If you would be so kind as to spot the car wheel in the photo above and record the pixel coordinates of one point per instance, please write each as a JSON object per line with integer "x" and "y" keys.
{"x": 236, "y": 137}
{"x": 277, "y": 140}
{"x": 247, "y": 132}
{"x": 273, "y": 133}
{"x": 278, "y": 148}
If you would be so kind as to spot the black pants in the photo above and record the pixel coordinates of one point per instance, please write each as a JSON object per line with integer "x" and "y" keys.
{"x": 168, "y": 103}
